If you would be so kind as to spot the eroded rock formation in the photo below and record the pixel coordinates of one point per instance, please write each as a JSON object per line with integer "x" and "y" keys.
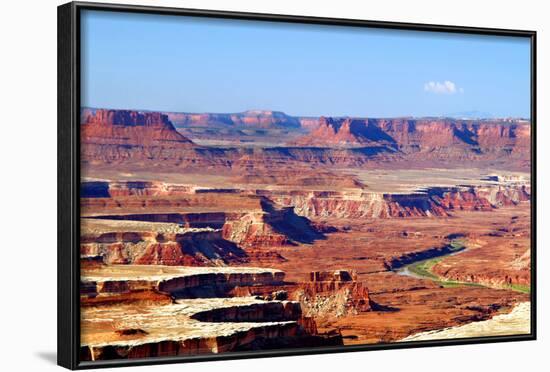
{"x": 189, "y": 247}
{"x": 171, "y": 227}
{"x": 197, "y": 321}
{"x": 124, "y": 127}
{"x": 423, "y": 135}
{"x": 131, "y": 137}
{"x": 436, "y": 201}
{"x": 332, "y": 294}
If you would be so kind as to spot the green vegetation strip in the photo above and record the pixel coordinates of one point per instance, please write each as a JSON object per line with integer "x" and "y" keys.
{"x": 424, "y": 269}
{"x": 520, "y": 288}
{"x": 457, "y": 245}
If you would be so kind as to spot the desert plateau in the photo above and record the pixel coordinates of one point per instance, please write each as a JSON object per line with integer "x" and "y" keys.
{"x": 208, "y": 233}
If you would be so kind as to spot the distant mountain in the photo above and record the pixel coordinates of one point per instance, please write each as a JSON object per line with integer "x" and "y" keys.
{"x": 251, "y": 118}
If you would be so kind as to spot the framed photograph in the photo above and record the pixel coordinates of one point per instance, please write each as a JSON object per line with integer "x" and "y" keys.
{"x": 238, "y": 185}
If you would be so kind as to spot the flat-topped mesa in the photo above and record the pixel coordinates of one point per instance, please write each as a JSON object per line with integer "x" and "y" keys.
{"x": 496, "y": 136}
{"x": 134, "y": 137}
{"x": 451, "y": 136}
{"x": 125, "y": 127}
{"x": 265, "y": 118}
{"x": 127, "y": 118}
{"x": 250, "y": 118}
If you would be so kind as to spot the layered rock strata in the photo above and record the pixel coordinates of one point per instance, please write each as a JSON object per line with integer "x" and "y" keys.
{"x": 131, "y": 242}
{"x": 169, "y": 279}
{"x": 197, "y": 321}
{"x": 132, "y": 137}
{"x": 249, "y": 221}
{"x": 435, "y": 201}
{"x": 413, "y": 135}
{"x": 123, "y": 127}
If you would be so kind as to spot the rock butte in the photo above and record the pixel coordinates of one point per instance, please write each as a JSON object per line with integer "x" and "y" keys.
{"x": 291, "y": 232}
{"x": 111, "y": 127}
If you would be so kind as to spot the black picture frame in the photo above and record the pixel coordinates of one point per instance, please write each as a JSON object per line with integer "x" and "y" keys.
{"x": 68, "y": 318}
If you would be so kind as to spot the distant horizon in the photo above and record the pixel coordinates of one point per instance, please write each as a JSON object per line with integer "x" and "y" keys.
{"x": 451, "y": 116}
{"x": 209, "y": 65}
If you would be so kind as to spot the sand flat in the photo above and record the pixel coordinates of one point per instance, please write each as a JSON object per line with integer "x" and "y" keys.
{"x": 517, "y": 322}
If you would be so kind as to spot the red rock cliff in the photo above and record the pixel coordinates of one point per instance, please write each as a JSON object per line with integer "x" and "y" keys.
{"x": 124, "y": 127}
{"x": 412, "y": 135}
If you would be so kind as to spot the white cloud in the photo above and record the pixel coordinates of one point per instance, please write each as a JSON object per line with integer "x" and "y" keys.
{"x": 446, "y": 87}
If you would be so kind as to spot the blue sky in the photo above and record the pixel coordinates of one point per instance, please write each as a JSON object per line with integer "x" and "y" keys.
{"x": 186, "y": 64}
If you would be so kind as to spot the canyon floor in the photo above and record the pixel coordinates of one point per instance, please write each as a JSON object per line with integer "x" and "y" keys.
{"x": 259, "y": 231}
{"x": 268, "y": 266}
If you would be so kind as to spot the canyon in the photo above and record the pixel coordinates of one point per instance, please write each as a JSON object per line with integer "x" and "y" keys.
{"x": 212, "y": 233}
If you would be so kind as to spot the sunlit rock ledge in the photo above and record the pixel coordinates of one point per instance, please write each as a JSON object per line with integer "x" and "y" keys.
{"x": 517, "y": 322}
